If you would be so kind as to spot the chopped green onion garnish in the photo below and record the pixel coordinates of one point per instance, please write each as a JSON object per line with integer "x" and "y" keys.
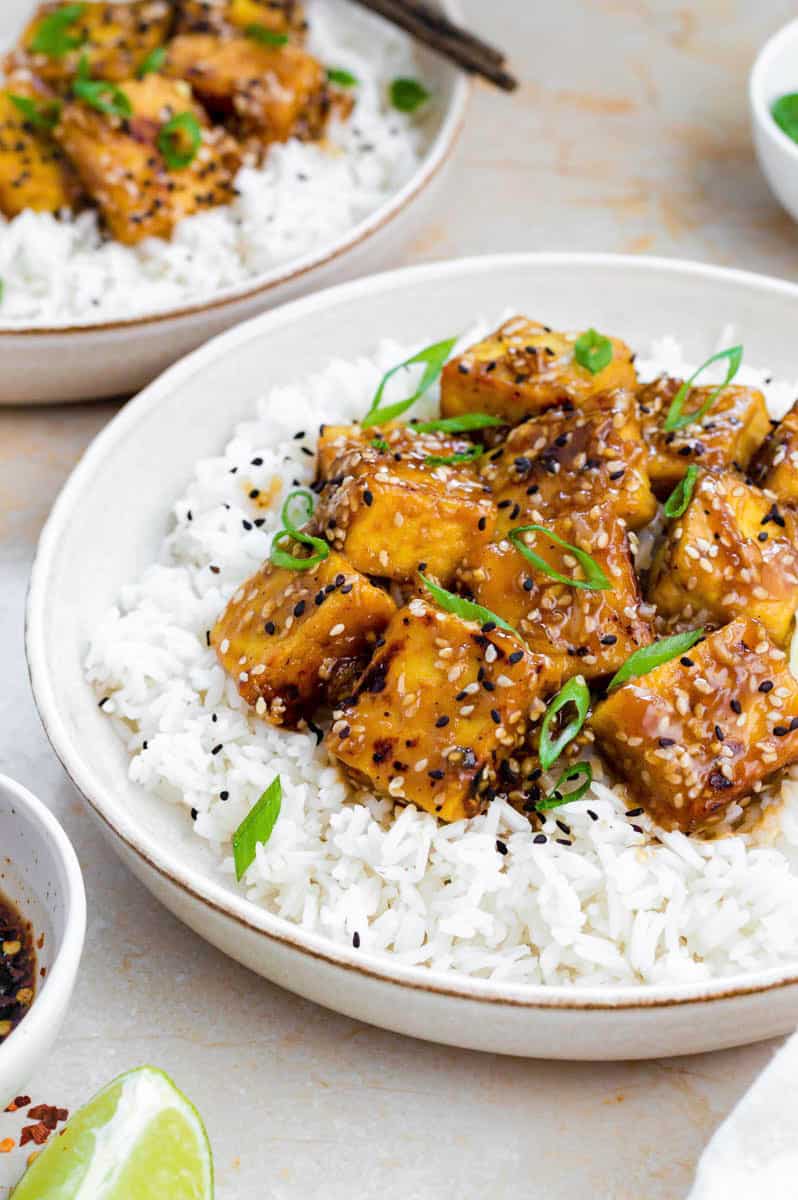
{"x": 291, "y": 532}
{"x": 257, "y": 827}
{"x": 434, "y": 357}
{"x": 574, "y": 692}
{"x": 292, "y": 501}
{"x": 593, "y": 351}
{"x": 785, "y": 114}
{"x": 680, "y": 497}
{"x": 556, "y": 797}
{"x": 463, "y": 424}
{"x": 266, "y": 37}
{"x": 467, "y": 610}
{"x": 153, "y": 62}
{"x": 380, "y": 444}
{"x": 650, "y": 657}
{"x": 596, "y": 580}
{"x": 52, "y": 38}
{"x": 446, "y": 460}
{"x": 179, "y": 140}
{"x": 408, "y": 95}
{"x": 678, "y": 420}
{"x": 341, "y": 77}
{"x": 102, "y": 95}
{"x": 41, "y": 117}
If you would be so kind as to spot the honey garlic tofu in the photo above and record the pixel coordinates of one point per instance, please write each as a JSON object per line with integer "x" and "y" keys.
{"x": 114, "y": 38}
{"x": 733, "y": 552}
{"x": 392, "y": 443}
{"x": 286, "y": 634}
{"x": 228, "y": 16}
{"x": 524, "y": 368}
{"x": 442, "y": 705}
{"x": 581, "y": 631}
{"x": 388, "y": 517}
{"x": 268, "y": 93}
{"x": 34, "y": 173}
{"x": 724, "y": 438}
{"x": 775, "y": 465}
{"x": 704, "y": 731}
{"x": 122, "y": 166}
{"x": 570, "y": 459}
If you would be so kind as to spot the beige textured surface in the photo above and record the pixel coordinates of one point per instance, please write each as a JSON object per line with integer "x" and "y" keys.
{"x": 630, "y": 133}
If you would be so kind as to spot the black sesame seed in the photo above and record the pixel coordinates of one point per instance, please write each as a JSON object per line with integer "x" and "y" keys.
{"x": 217, "y": 749}
{"x": 609, "y": 639}
{"x": 563, "y": 842}
{"x": 437, "y": 774}
{"x": 666, "y": 742}
{"x": 488, "y": 627}
{"x": 317, "y": 731}
{"x": 270, "y": 628}
{"x": 793, "y": 724}
{"x": 593, "y": 816}
{"x": 299, "y": 608}
{"x": 441, "y": 722}
{"x": 225, "y": 795}
{"x": 482, "y": 523}
{"x": 104, "y": 700}
{"x": 565, "y": 828}
{"x": 528, "y": 584}
{"x": 719, "y": 734}
{"x": 253, "y": 495}
{"x": 516, "y": 656}
{"x": 686, "y": 662}
{"x": 766, "y": 686}
{"x": 299, "y": 436}
{"x": 368, "y": 498}
{"x": 780, "y": 731}
{"x": 495, "y": 716}
{"x": 194, "y": 814}
{"x": 257, "y": 462}
{"x": 500, "y": 846}
{"x": 634, "y": 812}
{"x": 736, "y": 706}
{"x": 617, "y": 474}
{"x": 356, "y": 940}
{"x": 207, "y": 637}
{"x": 539, "y": 839}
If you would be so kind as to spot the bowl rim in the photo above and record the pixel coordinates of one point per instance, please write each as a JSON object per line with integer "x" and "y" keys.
{"x": 432, "y": 163}
{"x": 756, "y": 89}
{"x": 40, "y": 1022}
{"x": 211, "y": 892}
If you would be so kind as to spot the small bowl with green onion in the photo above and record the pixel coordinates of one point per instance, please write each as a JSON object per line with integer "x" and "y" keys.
{"x": 773, "y": 96}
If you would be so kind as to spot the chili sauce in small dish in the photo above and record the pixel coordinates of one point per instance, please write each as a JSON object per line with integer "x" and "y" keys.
{"x": 17, "y": 967}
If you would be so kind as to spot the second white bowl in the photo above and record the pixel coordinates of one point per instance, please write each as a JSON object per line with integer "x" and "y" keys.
{"x": 775, "y": 73}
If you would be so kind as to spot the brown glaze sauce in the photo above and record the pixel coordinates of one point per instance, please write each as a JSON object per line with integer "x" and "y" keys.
{"x": 17, "y": 967}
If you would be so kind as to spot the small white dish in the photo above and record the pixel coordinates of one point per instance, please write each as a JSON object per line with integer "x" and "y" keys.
{"x": 774, "y": 74}
{"x": 40, "y": 875}
{"x": 108, "y": 525}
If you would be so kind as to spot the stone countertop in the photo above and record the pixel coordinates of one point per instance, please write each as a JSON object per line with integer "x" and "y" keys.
{"x": 630, "y": 133}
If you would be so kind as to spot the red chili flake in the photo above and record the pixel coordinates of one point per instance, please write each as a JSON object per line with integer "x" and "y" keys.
{"x": 38, "y": 1133}
{"x": 19, "y": 1102}
{"x": 7, "y": 1145}
{"x": 46, "y": 1113}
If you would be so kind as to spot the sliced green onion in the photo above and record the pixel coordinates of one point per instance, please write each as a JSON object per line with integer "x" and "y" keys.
{"x": 341, "y": 77}
{"x": 676, "y": 419}
{"x": 152, "y": 63}
{"x": 596, "y": 580}
{"x": 785, "y": 114}
{"x": 463, "y": 424}
{"x": 682, "y": 494}
{"x": 593, "y": 351}
{"x": 257, "y": 827}
{"x": 446, "y": 460}
{"x": 465, "y": 609}
{"x": 289, "y": 561}
{"x": 434, "y": 358}
{"x": 408, "y": 95}
{"x": 174, "y": 134}
{"x": 52, "y": 37}
{"x": 292, "y": 501}
{"x": 44, "y": 117}
{"x": 380, "y": 444}
{"x": 575, "y": 692}
{"x": 556, "y": 797}
{"x": 650, "y": 657}
{"x": 266, "y": 37}
{"x": 104, "y": 96}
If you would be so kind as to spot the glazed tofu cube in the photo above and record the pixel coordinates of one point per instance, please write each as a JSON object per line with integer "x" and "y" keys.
{"x": 270, "y": 93}
{"x": 442, "y": 705}
{"x": 700, "y": 735}
{"x": 34, "y": 173}
{"x": 115, "y": 38}
{"x": 286, "y": 635}
{"x": 775, "y": 466}
{"x": 389, "y": 517}
{"x": 223, "y": 16}
{"x": 732, "y": 552}
{"x": 123, "y": 170}
{"x": 387, "y": 444}
{"x": 525, "y": 367}
{"x": 582, "y": 632}
{"x": 725, "y": 438}
{"x": 570, "y": 459}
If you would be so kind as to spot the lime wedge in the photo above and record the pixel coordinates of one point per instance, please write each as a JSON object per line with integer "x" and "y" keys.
{"x": 138, "y": 1139}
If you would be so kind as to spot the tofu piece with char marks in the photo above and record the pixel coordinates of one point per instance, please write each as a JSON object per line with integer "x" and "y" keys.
{"x": 34, "y": 172}
{"x": 724, "y": 438}
{"x": 286, "y": 636}
{"x": 389, "y": 516}
{"x": 582, "y": 632}
{"x": 569, "y": 459}
{"x": 775, "y": 466}
{"x": 524, "y": 368}
{"x": 706, "y": 730}
{"x": 124, "y": 172}
{"x": 443, "y": 704}
{"x": 732, "y": 552}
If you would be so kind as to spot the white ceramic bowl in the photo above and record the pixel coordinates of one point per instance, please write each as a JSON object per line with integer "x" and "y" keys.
{"x": 39, "y": 872}
{"x": 62, "y": 365}
{"x": 775, "y": 73}
{"x": 113, "y": 513}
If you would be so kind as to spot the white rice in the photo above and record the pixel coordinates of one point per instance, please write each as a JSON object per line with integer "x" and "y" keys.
{"x": 305, "y": 196}
{"x": 610, "y": 907}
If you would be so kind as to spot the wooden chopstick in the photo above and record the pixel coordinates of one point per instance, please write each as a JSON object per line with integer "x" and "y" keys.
{"x": 435, "y": 30}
